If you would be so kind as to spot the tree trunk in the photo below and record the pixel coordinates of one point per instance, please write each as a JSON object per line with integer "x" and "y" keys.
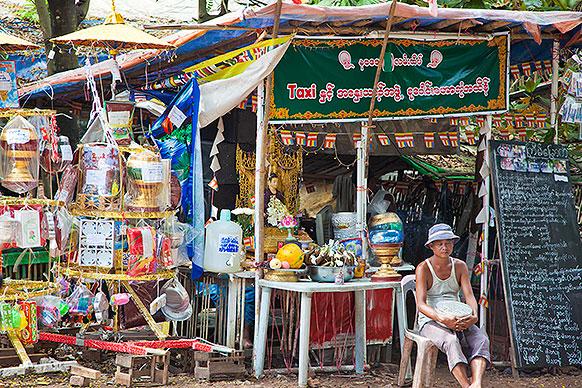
{"x": 63, "y": 20}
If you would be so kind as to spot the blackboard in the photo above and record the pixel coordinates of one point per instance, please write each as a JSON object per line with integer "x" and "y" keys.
{"x": 541, "y": 252}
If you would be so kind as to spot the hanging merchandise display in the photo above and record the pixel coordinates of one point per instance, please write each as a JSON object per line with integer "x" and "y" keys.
{"x": 99, "y": 177}
{"x": 120, "y": 119}
{"x": 55, "y": 159}
{"x": 145, "y": 172}
{"x": 19, "y": 155}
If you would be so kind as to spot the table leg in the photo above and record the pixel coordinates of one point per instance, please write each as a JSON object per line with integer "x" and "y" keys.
{"x": 360, "y": 318}
{"x": 401, "y": 326}
{"x": 304, "y": 328}
{"x": 261, "y": 337}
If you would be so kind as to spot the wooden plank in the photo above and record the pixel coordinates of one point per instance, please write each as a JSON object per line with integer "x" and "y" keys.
{"x": 85, "y": 372}
{"x": 124, "y": 360}
{"x": 13, "y": 359}
{"x": 79, "y": 381}
{"x": 122, "y": 378}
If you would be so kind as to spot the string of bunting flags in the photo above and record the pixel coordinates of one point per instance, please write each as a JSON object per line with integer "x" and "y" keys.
{"x": 542, "y": 68}
{"x": 402, "y": 140}
{"x": 506, "y": 124}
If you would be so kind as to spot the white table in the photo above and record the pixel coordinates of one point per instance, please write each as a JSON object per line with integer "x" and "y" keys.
{"x": 306, "y": 289}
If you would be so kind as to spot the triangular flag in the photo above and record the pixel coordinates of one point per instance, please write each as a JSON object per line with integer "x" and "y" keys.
{"x": 481, "y": 217}
{"x": 483, "y": 190}
{"x": 215, "y": 164}
{"x": 483, "y": 301}
{"x": 484, "y": 171}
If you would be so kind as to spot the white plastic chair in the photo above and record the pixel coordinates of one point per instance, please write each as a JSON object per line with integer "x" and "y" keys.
{"x": 426, "y": 357}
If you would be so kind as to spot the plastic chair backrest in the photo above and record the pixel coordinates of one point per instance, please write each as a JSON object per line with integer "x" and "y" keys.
{"x": 408, "y": 284}
{"x": 323, "y": 225}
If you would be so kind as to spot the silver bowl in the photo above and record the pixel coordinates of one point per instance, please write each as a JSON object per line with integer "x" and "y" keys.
{"x": 327, "y": 274}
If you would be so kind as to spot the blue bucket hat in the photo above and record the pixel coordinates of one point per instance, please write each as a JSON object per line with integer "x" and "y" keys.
{"x": 441, "y": 232}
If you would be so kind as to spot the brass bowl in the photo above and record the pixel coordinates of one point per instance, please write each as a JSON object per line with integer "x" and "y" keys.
{"x": 284, "y": 275}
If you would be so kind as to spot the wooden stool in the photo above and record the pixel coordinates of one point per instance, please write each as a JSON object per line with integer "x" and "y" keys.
{"x": 182, "y": 360}
{"x": 131, "y": 367}
{"x": 211, "y": 366}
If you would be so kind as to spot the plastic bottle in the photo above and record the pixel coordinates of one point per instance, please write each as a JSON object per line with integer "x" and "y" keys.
{"x": 223, "y": 245}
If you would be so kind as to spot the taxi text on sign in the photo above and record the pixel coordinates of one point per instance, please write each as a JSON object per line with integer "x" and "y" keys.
{"x": 332, "y": 79}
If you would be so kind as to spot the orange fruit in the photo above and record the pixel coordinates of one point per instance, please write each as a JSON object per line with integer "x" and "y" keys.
{"x": 292, "y": 254}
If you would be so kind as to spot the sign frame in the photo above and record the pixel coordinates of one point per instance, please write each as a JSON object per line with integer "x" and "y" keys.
{"x": 503, "y": 80}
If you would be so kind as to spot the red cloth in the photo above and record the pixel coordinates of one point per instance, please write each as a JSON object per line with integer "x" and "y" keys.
{"x": 333, "y": 314}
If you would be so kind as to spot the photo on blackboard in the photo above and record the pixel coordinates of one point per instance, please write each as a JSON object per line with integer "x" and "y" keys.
{"x": 519, "y": 151}
{"x": 504, "y": 150}
{"x": 520, "y": 165}
{"x": 546, "y": 166}
{"x": 533, "y": 166}
{"x": 560, "y": 166}
{"x": 507, "y": 164}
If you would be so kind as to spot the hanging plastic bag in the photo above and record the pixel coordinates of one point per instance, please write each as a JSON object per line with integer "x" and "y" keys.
{"x": 80, "y": 301}
{"x": 180, "y": 236}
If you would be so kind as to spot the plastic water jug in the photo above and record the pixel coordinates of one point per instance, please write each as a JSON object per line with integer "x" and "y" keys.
{"x": 222, "y": 252}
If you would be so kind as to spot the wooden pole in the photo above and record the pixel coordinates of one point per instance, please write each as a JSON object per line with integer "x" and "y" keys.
{"x": 485, "y": 246}
{"x": 554, "y": 89}
{"x": 362, "y": 170}
{"x": 260, "y": 157}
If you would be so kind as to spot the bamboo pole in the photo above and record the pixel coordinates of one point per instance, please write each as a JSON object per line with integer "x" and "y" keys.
{"x": 362, "y": 163}
{"x": 260, "y": 156}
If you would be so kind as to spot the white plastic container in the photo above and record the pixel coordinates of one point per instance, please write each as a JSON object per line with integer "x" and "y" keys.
{"x": 222, "y": 251}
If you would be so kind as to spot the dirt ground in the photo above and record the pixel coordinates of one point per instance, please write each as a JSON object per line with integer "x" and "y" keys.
{"x": 381, "y": 376}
